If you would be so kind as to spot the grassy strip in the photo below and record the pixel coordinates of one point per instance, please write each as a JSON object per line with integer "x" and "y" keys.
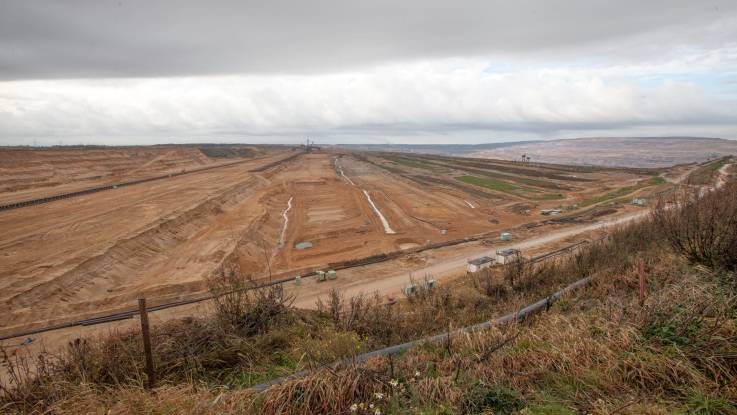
{"x": 516, "y": 179}
{"x": 427, "y": 180}
{"x": 430, "y": 163}
{"x": 495, "y": 163}
{"x": 460, "y": 163}
{"x": 623, "y": 191}
{"x": 505, "y": 187}
{"x": 704, "y": 174}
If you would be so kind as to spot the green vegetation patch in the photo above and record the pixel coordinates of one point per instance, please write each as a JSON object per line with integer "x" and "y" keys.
{"x": 492, "y": 171}
{"x": 623, "y": 191}
{"x": 426, "y": 180}
{"x": 505, "y": 187}
{"x": 704, "y": 174}
{"x": 430, "y": 180}
{"x": 518, "y": 171}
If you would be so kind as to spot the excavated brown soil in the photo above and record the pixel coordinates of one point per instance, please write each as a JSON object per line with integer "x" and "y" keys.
{"x": 97, "y": 253}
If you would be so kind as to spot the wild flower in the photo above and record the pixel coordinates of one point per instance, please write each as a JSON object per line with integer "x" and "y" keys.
{"x": 354, "y": 407}
{"x": 379, "y": 395}
{"x": 394, "y": 383}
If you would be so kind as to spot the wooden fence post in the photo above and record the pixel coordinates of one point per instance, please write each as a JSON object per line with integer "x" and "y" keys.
{"x": 145, "y": 333}
{"x": 642, "y": 282}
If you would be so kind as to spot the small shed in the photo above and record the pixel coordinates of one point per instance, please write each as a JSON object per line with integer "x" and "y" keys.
{"x": 505, "y": 236}
{"x": 505, "y": 256}
{"x": 638, "y": 201}
{"x": 331, "y": 274}
{"x": 410, "y": 289}
{"x": 547, "y": 212}
{"x": 477, "y": 264}
{"x": 320, "y": 276}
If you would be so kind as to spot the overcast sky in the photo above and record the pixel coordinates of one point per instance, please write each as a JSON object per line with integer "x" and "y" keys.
{"x": 134, "y": 72}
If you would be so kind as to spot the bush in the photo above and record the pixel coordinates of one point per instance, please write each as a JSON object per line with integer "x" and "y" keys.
{"x": 244, "y": 308}
{"x": 704, "y": 228}
{"x": 485, "y": 282}
{"x": 364, "y": 315}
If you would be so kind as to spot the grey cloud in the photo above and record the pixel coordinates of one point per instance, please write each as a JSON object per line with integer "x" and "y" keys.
{"x": 145, "y": 38}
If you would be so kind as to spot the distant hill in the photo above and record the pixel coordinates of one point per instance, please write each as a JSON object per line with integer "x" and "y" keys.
{"x": 604, "y": 151}
{"x": 446, "y": 149}
{"x": 619, "y": 151}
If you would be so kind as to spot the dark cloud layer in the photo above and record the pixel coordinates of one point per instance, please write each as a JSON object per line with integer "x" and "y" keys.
{"x": 147, "y": 71}
{"x": 145, "y": 38}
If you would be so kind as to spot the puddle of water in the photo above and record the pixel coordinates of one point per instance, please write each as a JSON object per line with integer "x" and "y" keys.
{"x": 303, "y": 245}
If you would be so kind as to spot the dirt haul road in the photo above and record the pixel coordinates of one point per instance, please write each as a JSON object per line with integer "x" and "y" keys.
{"x": 391, "y": 285}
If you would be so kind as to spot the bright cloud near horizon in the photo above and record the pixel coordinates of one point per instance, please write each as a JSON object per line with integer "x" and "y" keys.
{"x": 144, "y": 72}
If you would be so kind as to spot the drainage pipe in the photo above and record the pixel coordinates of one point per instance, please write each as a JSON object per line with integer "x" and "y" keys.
{"x": 520, "y": 315}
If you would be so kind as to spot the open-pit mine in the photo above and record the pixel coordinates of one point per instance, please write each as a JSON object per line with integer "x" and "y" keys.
{"x": 87, "y": 231}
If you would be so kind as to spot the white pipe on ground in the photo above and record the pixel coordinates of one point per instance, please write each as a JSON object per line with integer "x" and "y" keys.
{"x": 387, "y": 228}
{"x": 340, "y": 169}
{"x": 281, "y": 241}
